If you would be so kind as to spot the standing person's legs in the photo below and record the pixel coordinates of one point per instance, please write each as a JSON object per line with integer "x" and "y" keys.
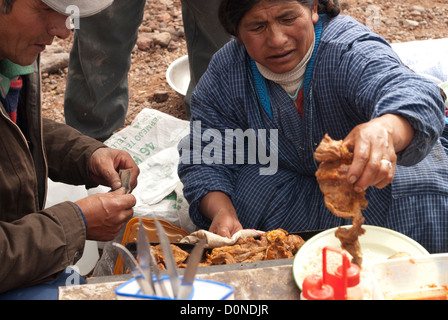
{"x": 97, "y": 96}
{"x": 204, "y": 35}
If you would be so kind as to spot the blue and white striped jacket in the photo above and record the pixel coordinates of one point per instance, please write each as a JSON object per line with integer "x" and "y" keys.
{"x": 354, "y": 76}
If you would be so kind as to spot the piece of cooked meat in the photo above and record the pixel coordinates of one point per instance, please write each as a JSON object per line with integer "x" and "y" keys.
{"x": 180, "y": 256}
{"x": 332, "y": 150}
{"x": 293, "y": 243}
{"x": 340, "y": 198}
{"x": 349, "y": 239}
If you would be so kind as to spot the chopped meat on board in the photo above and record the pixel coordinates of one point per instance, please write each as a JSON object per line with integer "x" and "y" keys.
{"x": 275, "y": 244}
{"x": 180, "y": 256}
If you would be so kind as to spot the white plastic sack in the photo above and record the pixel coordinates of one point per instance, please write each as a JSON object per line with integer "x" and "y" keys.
{"x": 58, "y": 192}
{"x": 152, "y": 141}
{"x": 444, "y": 87}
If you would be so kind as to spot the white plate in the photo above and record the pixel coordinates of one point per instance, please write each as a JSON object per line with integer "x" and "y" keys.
{"x": 376, "y": 244}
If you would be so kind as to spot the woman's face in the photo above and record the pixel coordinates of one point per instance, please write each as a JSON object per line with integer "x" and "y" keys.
{"x": 278, "y": 34}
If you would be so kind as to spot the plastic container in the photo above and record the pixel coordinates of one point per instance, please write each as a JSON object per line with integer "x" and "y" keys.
{"x": 411, "y": 278}
{"x": 332, "y": 285}
{"x": 337, "y": 281}
{"x": 355, "y": 289}
{"x": 202, "y": 290}
{"x": 174, "y": 234}
{"x": 313, "y": 288}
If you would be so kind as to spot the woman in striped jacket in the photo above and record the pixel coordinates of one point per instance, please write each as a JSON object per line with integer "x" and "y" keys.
{"x": 295, "y": 71}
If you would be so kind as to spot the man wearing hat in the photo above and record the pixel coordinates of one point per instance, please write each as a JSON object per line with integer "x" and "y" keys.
{"x": 37, "y": 243}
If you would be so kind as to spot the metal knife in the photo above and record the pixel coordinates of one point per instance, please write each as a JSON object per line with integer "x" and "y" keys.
{"x": 160, "y": 285}
{"x": 148, "y": 262}
{"x": 169, "y": 258}
{"x": 125, "y": 177}
{"x": 143, "y": 252}
{"x": 135, "y": 269}
{"x": 190, "y": 273}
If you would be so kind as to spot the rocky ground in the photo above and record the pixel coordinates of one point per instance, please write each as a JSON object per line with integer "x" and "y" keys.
{"x": 161, "y": 41}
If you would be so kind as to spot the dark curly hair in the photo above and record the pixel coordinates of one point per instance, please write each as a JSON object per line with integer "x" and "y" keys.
{"x": 232, "y": 11}
{"x": 7, "y": 6}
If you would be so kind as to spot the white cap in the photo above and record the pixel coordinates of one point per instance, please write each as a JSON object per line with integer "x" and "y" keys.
{"x": 86, "y": 7}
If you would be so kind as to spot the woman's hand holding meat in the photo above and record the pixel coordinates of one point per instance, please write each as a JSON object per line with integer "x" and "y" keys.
{"x": 375, "y": 145}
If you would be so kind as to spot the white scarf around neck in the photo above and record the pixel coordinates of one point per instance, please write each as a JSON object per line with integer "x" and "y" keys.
{"x": 292, "y": 80}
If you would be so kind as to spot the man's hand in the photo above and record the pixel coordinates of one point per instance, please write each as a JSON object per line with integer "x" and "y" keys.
{"x": 106, "y": 213}
{"x": 105, "y": 164}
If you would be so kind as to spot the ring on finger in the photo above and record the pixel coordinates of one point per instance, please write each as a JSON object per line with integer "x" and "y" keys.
{"x": 387, "y": 162}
